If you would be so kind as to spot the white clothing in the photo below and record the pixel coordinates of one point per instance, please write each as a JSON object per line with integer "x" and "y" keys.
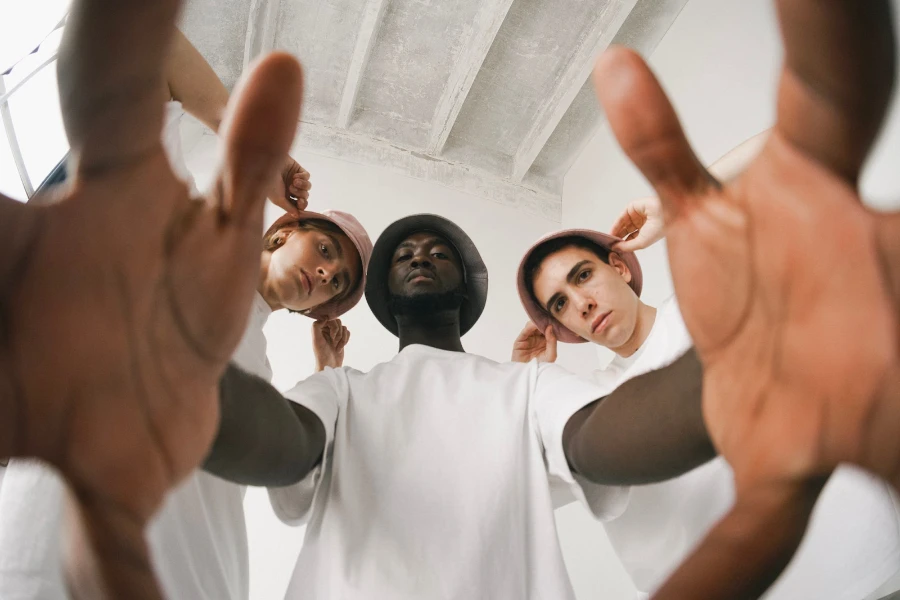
{"x": 198, "y": 542}
{"x": 171, "y": 138}
{"x": 853, "y": 542}
{"x": 436, "y": 480}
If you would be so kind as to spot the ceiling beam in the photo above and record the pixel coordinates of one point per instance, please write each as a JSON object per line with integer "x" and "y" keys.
{"x": 551, "y": 111}
{"x": 261, "y": 26}
{"x": 368, "y": 32}
{"x": 476, "y": 44}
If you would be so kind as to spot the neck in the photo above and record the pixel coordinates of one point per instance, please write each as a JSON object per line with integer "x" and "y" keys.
{"x": 439, "y": 330}
{"x": 262, "y": 288}
{"x": 646, "y": 316}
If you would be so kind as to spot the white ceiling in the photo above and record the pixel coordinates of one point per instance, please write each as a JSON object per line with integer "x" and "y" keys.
{"x": 487, "y": 96}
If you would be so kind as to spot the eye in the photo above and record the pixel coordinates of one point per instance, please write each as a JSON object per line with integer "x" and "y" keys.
{"x": 324, "y": 249}
{"x": 404, "y": 257}
{"x": 584, "y": 275}
{"x": 336, "y": 283}
{"x": 559, "y": 304}
{"x": 440, "y": 255}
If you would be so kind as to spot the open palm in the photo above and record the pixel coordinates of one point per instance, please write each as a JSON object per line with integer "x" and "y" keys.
{"x": 122, "y": 304}
{"x": 788, "y": 285}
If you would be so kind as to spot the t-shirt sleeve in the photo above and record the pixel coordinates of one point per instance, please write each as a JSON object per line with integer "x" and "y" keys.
{"x": 557, "y": 396}
{"x": 324, "y": 394}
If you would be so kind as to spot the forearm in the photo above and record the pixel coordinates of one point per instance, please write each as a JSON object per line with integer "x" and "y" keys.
{"x": 749, "y": 548}
{"x": 193, "y": 82}
{"x": 264, "y": 439}
{"x": 649, "y": 429}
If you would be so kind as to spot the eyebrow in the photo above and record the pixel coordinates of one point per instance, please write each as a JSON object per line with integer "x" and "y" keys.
{"x": 433, "y": 240}
{"x": 573, "y": 272}
{"x": 337, "y": 245}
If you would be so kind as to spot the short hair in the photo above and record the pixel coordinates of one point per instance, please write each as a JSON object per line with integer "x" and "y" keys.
{"x": 539, "y": 255}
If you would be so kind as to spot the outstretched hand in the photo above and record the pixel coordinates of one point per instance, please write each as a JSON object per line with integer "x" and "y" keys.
{"x": 789, "y": 286}
{"x": 122, "y": 304}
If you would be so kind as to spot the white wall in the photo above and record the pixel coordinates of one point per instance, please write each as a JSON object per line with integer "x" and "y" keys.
{"x": 719, "y": 64}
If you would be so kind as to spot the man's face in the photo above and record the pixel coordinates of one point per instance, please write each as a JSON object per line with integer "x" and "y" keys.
{"x": 591, "y": 298}
{"x": 425, "y": 264}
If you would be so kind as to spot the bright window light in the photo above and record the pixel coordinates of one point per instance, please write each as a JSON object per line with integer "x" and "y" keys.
{"x": 10, "y": 184}
{"x": 38, "y": 124}
{"x": 24, "y": 25}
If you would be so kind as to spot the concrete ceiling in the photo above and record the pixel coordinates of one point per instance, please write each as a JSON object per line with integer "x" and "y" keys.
{"x": 491, "y": 97}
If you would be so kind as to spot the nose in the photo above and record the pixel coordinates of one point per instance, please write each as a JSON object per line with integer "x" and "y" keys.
{"x": 325, "y": 273}
{"x": 420, "y": 260}
{"x": 584, "y": 305}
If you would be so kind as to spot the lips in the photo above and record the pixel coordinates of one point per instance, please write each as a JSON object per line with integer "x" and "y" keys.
{"x": 600, "y": 322}
{"x": 419, "y": 273}
{"x": 305, "y": 282}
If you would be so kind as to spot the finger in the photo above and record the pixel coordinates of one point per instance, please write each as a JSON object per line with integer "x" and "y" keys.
{"x": 638, "y": 242}
{"x": 647, "y": 128}
{"x": 112, "y": 102}
{"x": 837, "y": 78}
{"x": 288, "y": 206}
{"x": 300, "y": 185}
{"x": 302, "y": 204}
{"x": 258, "y": 129}
{"x": 623, "y": 225}
{"x": 345, "y": 336}
{"x": 552, "y": 345}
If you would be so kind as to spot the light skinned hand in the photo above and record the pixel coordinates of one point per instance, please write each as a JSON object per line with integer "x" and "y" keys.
{"x": 641, "y": 223}
{"x": 122, "y": 303}
{"x": 290, "y": 187}
{"x": 533, "y": 343}
{"x": 329, "y": 340}
{"x": 789, "y": 286}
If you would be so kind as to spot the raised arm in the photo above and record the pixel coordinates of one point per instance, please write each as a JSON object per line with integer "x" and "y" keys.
{"x": 642, "y": 219}
{"x": 193, "y": 82}
{"x": 264, "y": 439}
{"x": 649, "y": 429}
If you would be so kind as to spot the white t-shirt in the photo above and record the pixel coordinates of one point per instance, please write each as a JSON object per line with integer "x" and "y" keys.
{"x": 436, "y": 480}
{"x": 198, "y": 541}
{"x": 851, "y": 547}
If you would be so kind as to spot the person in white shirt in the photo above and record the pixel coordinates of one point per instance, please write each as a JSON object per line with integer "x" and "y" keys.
{"x": 577, "y": 289}
{"x": 312, "y": 264}
{"x": 430, "y": 476}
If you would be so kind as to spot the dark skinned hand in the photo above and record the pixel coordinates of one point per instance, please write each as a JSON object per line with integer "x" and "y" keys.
{"x": 789, "y": 286}
{"x": 121, "y": 304}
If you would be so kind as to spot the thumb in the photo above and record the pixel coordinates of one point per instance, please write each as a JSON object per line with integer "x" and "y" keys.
{"x": 258, "y": 130}
{"x": 550, "y": 336}
{"x": 636, "y": 242}
{"x": 647, "y": 128}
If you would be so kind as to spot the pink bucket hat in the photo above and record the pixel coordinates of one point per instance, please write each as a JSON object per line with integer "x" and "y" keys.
{"x": 537, "y": 313}
{"x": 354, "y": 230}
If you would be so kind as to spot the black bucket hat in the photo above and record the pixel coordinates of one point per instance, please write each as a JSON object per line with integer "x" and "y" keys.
{"x": 474, "y": 270}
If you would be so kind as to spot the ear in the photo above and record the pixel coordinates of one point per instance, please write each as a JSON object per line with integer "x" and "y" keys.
{"x": 616, "y": 262}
